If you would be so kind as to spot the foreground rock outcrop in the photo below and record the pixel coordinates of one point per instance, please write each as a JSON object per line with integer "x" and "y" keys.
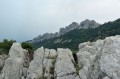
{"x": 64, "y": 66}
{"x": 100, "y": 59}
{"x": 50, "y": 64}
{"x": 35, "y": 70}
{"x": 95, "y": 60}
{"x": 14, "y": 64}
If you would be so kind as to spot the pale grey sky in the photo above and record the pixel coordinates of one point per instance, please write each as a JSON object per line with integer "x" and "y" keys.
{"x": 25, "y": 19}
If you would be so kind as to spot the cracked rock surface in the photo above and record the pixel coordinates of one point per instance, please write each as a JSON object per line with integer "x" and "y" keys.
{"x": 100, "y": 59}
{"x": 64, "y": 67}
{"x": 35, "y": 69}
{"x": 14, "y": 63}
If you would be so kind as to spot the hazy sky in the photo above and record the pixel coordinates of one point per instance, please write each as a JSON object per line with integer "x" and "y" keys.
{"x": 25, "y": 19}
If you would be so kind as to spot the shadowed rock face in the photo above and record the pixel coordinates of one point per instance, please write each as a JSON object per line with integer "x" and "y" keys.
{"x": 88, "y": 24}
{"x": 96, "y": 60}
{"x": 3, "y": 57}
{"x": 72, "y": 26}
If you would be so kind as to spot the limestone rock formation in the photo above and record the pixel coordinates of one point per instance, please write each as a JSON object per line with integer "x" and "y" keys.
{"x": 49, "y": 63}
{"x": 64, "y": 66}
{"x": 95, "y": 60}
{"x": 14, "y": 64}
{"x": 100, "y": 59}
{"x": 42, "y": 65}
{"x": 35, "y": 70}
{"x": 46, "y": 64}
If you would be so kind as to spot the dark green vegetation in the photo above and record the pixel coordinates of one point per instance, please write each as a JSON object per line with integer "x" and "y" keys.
{"x": 28, "y": 47}
{"x": 5, "y": 46}
{"x": 73, "y": 38}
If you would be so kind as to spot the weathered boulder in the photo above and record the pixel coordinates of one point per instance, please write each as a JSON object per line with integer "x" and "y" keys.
{"x": 100, "y": 59}
{"x": 35, "y": 70}
{"x": 42, "y": 65}
{"x": 49, "y": 63}
{"x": 14, "y": 64}
{"x": 64, "y": 66}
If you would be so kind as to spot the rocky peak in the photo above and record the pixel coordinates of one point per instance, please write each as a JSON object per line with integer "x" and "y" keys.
{"x": 72, "y": 26}
{"x": 88, "y": 24}
{"x": 44, "y": 36}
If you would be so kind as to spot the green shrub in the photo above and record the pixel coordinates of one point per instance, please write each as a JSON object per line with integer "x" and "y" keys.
{"x": 29, "y": 47}
{"x": 26, "y": 45}
{"x": 6, "y": 45}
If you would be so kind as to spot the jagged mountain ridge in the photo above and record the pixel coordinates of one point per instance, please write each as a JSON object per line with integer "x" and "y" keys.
{"x": 73, "y": 38}
{"x": 83, "y": 25}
